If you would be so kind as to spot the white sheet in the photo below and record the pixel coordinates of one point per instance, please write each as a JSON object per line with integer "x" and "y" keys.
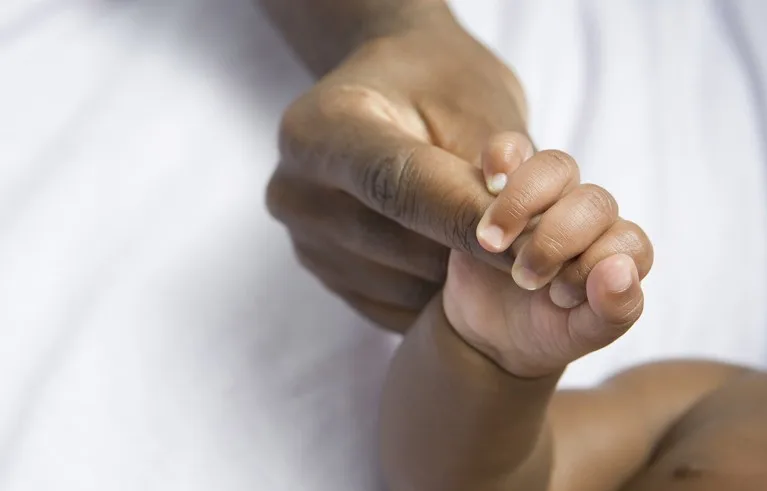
{"x": 155, "y": 330}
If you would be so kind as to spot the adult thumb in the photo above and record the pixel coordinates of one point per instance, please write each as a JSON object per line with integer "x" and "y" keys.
{"x": 421, "y": 186}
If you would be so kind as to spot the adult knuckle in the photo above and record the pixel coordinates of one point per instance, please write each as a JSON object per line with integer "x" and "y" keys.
{"x": 390, "y": 183}
{"x": 306, "y": 258}
{"x": 599, "y": 200}
{"x": 338, "y": 101}
{"x": 416, "y": 293}
{"x": 460, "y": 227}
{"x": 316, "y": 264}
{"x": 302, "y": 135}
{"x": 276, "y": 193}
{"x": 382, "y": 46}
{"x": 332, "y": 100}
{"x": 336, "y": 287}
{"x": 293, "y": 129}
{"x": 342, "y": 100}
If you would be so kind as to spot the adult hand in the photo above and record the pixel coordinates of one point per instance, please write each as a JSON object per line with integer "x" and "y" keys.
{"x": 380, "y": 171}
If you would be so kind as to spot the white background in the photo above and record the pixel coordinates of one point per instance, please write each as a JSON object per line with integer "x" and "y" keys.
{"x": 156, "y": 332}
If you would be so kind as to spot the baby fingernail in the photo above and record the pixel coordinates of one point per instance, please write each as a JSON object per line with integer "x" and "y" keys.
{"x": 525, "y": 277}
{"x": 619, "y": 277}
{"x": 564, "y": 295}
{"x": 491, "y": 236}
{"x": 529, "y": 153}
{"x": 496, "y": 183}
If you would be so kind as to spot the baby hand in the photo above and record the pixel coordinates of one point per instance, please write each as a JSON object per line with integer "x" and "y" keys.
{"x": 575, "y": 284}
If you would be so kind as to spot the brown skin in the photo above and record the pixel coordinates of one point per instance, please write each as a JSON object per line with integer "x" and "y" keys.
{"x": 454, "y": 420}
{"x": 380, "y": 175}
{"x": 470, "y": 399}
{"x": 380, "y": 165}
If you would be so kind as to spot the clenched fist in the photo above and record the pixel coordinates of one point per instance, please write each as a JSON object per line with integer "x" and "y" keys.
{"x": 575, "y": 284}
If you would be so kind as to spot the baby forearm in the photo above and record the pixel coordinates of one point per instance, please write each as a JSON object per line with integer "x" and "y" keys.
{"x": 452, "y": 419}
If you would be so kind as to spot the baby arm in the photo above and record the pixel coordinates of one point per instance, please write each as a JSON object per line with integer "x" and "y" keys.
{"x": 469, "y": 401}
{"x": 452, "y": 419}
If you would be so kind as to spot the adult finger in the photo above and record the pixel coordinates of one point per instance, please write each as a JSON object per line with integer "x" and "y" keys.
{"x": 365, "y": 278}
{"x": 421, "y": 187}
{"x": 332, "y": 216}
{"x": 390, "y": 317}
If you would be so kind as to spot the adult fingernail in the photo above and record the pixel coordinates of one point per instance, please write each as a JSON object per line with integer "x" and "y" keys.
{"x": 496, "y": 183}
{"x": 525, "y": 277}
{"x": 491, "y": 236}
{"x": 619, "y": 276}
{"x": 566, "y": 296}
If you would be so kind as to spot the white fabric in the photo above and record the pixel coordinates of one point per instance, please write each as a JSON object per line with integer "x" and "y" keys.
{"x": 156, "y": 332}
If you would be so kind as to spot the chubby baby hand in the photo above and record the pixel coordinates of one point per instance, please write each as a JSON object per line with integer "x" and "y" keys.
{"x": 575, "y": 284}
